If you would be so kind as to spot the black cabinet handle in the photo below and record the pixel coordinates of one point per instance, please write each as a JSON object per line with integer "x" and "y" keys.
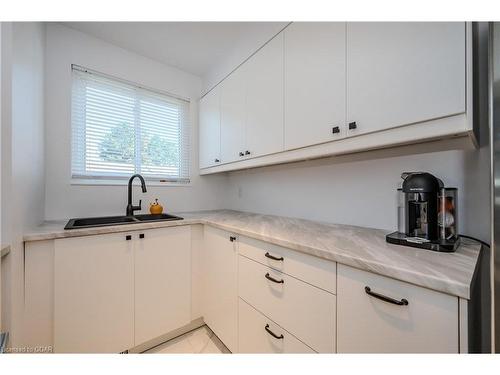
{"x": 217, "y": 160}
{"x": 242, "y": 154}
{"x": 280, "y": 337}
{"x": 247, "y": 152}
{"x": 141, "y": 235}
{"x": 335, "y": 130}
{"x": 273, "y": 257}
{"x": 128, "y": 237}
{"x": 232, "y": 238}
{"x": 274, "y": 280}
{"x": 402, "y": 302}
{"x": 352, "y": 125}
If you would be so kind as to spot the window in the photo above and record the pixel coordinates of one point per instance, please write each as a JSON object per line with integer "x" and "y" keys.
{"x": 119, "y": 129}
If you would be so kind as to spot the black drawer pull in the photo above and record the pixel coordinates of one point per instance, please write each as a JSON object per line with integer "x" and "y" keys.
{"x": 241, "y": 154}
{"x": 247, "y": 152}
{"x": 335, "y": 130}
{"x": 128, "y": 237}
{"x": 274, "y": 258}
{"x": 217, "y": 160}
{"x": 232, "y": 238}
{"x": 280, "y": 337}
{"x": 402, "y": 302}
{"x": 274, "y": 280}
{"x": 141, "y": 235}
{"x": 352, "y": 125}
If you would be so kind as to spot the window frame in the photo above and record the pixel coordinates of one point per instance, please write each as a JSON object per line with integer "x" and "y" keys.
{"x": 81, "y": 179}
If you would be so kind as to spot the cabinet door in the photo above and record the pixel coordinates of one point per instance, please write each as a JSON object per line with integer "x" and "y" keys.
{"x": 162, "y": 281}
{"x": 314, "y": 83}
{"x": 94, "y": 294}
{"x": 403, "y": 73}
{"x": 209, "y": 138}
{"x": 428, "y": 323}
{"x": 220, "y": 305}
{"x": 259, "y": 334}
{"x": 264, "y": 103}
{"x": 233, "y": 93}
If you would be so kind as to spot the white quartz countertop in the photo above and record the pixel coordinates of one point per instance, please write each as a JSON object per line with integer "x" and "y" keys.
{"x": 359, "y": 247}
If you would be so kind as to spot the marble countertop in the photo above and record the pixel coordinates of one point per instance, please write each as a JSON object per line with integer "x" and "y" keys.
{"x": 359, "y": 247}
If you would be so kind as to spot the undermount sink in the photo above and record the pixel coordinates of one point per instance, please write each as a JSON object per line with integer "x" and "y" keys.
{"x": 91, "y": 222}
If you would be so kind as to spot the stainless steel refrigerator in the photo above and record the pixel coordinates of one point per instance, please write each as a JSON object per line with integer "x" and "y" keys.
{"x": 494, "y": 113}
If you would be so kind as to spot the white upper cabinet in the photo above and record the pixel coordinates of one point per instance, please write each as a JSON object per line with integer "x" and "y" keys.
{"x": 232, "y": 102}
{"x": 404, "y": 73}
{"x": 314, "y": 83}
{"x": 210, "y": 129}
{"x": 264, "y": 105}
{"x": 315, "y": 86}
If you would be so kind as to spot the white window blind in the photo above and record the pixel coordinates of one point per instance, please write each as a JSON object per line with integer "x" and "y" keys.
{"x": 119, "y": 129}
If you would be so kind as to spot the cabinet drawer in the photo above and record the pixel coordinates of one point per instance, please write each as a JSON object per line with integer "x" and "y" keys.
{"x": 313, "y": 270}
{"x": 254, "y": 336}
{"x": 368, "y": 324}
{"x": 303, "y": 310}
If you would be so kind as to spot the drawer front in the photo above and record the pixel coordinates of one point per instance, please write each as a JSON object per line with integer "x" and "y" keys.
{"x": 303, "y": 310}
{"x": 313, "y": 270}
{"x": 368, "y": 324}
{"x": 256, "y": 334}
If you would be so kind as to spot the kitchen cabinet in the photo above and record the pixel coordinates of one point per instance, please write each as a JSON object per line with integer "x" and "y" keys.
{"x": 259, "y": 334}
{"x": 232, "y": 116}
{"x": 116, "y": 291}
{"x": 220, "y": 276}
{"x": 264, "y": 100}
{"x": 415, "y": 320}
{"x": 347, "y": 87}
{"x": 282, "y": 298}
{"x": 252, "y": 106}
{"x": 93, "y": 294}
{"x": 162, "y": 281}
{"x": 403, "y": 73}
{"x": 315, "y": 81}
{"x": 308, "y": 268}
{"x": 209, "y": 135}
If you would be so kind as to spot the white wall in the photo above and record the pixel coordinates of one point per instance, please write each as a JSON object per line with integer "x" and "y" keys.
{"x": 22, "y": 157}
{"x": 28, "y": 166}
{"x": 63, "y": 200}
{"x": 357, "y": 189}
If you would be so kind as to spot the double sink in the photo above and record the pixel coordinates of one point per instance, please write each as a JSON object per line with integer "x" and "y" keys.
{"x": 129, "y": 218}
{"x": 91, "y": 222}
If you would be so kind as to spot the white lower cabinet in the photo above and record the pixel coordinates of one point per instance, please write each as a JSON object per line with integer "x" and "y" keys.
{"x": 162, "y": 282}
{"x": 392, "y": 316}
{"x": 303, "y": 310}
{"x": 259, "y": 334}
{"x": 220, "y": 285}
{"x": 115, "y": 291}
{"x": 93, "y": 295}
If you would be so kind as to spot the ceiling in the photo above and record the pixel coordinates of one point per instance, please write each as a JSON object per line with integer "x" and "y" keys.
{"x": 195, "y": 47}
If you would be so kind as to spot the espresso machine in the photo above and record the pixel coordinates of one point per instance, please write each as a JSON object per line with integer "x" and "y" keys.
{"x": 427, "y": 214}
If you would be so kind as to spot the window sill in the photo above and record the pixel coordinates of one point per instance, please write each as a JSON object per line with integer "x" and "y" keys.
{"x": 99, "y": 182}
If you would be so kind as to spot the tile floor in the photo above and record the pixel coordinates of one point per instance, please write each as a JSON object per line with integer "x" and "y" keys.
{"x": 201, "y": 340}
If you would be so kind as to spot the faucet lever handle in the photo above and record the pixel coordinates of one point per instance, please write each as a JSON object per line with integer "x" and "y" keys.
{"x": 140, "y": 203}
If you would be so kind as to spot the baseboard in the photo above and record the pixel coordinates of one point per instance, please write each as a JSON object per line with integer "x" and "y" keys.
{"x": 197, "y": 323}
